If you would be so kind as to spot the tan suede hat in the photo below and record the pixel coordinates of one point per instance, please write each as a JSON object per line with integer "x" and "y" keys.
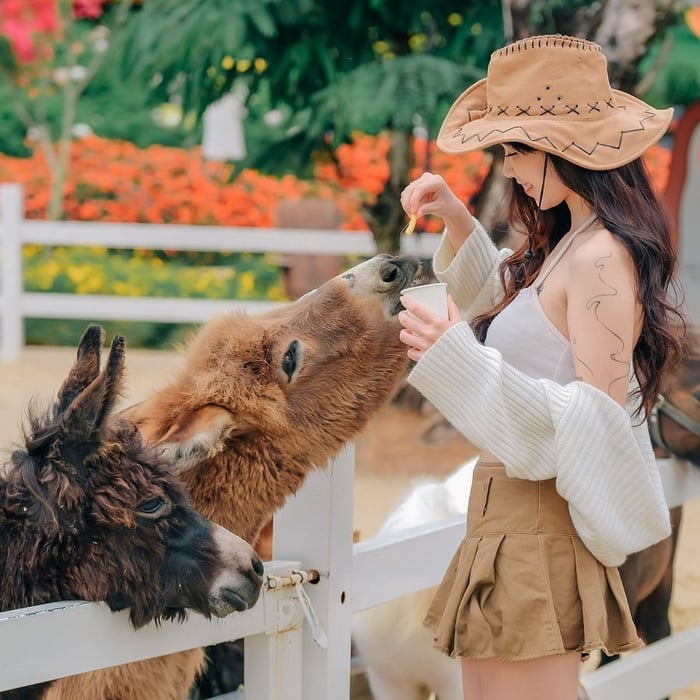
{"x": 553, "y": 93}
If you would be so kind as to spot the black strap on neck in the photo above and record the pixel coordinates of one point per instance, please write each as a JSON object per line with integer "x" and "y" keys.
{"x": 528, "y": 253}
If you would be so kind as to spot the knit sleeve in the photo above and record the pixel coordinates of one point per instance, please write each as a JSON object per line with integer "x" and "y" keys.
{"x": 471, "y": 273}
{"x": 603, "y": 463}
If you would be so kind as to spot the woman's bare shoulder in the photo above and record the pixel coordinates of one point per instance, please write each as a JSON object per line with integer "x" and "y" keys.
{"x": 598, "y": 248}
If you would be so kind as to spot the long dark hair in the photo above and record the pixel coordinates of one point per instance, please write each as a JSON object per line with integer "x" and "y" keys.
{"x": 625, "y": 202}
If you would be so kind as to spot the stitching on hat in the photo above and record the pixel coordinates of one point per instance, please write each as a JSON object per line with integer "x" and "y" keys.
{"x": 650, "y": 115}
{"x": 480, "y": 113}
{"x": 551, "y": 110}
{"x": 503, "y": 131}
{"x": 537, "y": 139}
{"x": 555, "y": 40}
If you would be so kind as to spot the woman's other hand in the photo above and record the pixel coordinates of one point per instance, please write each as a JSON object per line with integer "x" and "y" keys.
{"x": 422, "y": 327}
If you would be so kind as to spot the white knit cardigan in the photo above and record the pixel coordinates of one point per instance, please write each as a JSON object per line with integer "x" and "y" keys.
{"x": 600, "y": 455}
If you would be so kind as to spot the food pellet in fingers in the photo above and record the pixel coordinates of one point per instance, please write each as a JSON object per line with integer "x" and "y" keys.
{"x": 411, "y": 226}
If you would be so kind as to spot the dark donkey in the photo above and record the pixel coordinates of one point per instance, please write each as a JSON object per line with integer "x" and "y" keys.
{"x": 88, "y": 511}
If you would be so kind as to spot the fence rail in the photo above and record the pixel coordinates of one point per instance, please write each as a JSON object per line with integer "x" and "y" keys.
{"x": 16, "y": 304}
{"x": 282, "y": 660}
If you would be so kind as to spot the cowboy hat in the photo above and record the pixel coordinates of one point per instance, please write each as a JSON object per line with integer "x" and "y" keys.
{"x": 553, "y": 93}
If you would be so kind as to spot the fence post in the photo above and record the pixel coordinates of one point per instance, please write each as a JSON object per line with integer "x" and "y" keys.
{"x": 315, "y": 527}
{"x": 273, "y": 661}
{"x": 11, "y": 319}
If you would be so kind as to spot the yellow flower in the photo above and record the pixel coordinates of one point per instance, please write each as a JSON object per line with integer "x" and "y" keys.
{"x": 77, "y": 274}
{"x": 246, "y": 282}
{"x": 90, "y": 285}
{"x": 125, "y": 289}
{"x": 45, "y": 275}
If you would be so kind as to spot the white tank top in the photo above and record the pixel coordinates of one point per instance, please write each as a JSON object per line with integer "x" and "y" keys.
{"x": 525, "y": 336}
{"x": 529, "y": 341}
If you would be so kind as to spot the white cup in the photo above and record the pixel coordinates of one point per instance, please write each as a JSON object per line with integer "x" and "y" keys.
{"x": 434, "y": 296}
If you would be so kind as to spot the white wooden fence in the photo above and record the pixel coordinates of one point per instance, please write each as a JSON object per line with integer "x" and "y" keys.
{"x": 15, "y": 231}
{"x": 313, "y": 530}
{"x": 282, "y": 660}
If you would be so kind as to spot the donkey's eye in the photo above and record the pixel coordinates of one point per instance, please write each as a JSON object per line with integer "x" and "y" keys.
{"x": 289, "y": 361}
{"x": 154, "y": 508}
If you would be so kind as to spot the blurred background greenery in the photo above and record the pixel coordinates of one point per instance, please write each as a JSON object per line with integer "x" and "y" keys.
{"x": 312, "y": 76}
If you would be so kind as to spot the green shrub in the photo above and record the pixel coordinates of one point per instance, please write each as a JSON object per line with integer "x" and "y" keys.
{"x": 72, "y": 270}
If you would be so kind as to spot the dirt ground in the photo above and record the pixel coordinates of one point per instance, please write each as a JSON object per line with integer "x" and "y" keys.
{"x": 390, "y": 455}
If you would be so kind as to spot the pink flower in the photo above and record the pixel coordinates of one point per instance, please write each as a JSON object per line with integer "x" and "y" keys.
{"x": 26, "y": 23}
{"x": 23, "y": 20}
{"x": 88, "y": 9}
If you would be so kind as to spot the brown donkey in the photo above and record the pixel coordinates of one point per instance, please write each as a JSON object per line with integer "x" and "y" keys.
{"x": 87, "y": 511}
{"x": 262, "y": 400}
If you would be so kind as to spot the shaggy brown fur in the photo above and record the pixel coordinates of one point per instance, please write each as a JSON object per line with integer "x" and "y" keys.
{"x": 260, "y": 402}
{"x": 263, "y": 400}
{"x": 87, "y": 511}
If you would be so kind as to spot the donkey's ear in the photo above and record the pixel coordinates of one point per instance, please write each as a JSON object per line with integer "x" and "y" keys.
{"x": 190, "y": 439}
{"x": 84, "y": 371}
{"x": 83, "y": 417}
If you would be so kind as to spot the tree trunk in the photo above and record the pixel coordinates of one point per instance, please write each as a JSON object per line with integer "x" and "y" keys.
{"x": 386, "y": 217}
{"x": 627, "y": 28}
{"x": 623, "y": 28}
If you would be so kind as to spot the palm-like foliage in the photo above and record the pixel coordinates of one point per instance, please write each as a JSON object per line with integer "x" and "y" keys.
{"x": 388, "y": 94}
{"x": 367, "y": 65}
{"x": 187, "y": 43}
{"x": 396, "y": 94}
{"x": 297, "y": 46}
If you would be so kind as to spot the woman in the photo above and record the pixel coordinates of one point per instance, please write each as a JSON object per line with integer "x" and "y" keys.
{"x": 553, "y": 369}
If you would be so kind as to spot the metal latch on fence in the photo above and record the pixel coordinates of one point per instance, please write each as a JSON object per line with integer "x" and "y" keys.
{"x": 296, "y": 578}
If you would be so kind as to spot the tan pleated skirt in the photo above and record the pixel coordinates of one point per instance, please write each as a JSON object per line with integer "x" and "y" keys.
{"x": 522, "y": 585}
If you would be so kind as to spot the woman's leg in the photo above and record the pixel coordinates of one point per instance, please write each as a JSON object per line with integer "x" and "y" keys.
{"x": 551, "y": 677}
{"x": 471, "y": 679}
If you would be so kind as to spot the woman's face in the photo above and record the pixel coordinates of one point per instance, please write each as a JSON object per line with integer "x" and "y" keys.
{"x": 527, "y": 170}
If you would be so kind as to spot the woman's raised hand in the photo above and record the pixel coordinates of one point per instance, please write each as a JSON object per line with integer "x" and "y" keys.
{"x": 430, "y": 194}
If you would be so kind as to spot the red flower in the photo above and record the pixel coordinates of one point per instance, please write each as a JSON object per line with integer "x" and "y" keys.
{"x": 88, "y": 9}
{"x": 28, "y": 23}
{"x": 23, "y": 21}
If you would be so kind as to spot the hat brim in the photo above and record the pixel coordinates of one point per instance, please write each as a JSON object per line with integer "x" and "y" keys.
{"x": 597, "y": 144}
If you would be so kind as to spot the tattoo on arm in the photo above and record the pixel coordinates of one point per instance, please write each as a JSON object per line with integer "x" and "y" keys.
{"x": 593, "y": 304}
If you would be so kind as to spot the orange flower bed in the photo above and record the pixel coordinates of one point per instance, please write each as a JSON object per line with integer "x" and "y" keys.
{"x": 116, "y": 181}
{"x": 362, "y": 166}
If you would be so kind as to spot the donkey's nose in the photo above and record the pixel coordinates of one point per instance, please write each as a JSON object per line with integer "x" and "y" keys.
{"x": 400, "y": 270}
